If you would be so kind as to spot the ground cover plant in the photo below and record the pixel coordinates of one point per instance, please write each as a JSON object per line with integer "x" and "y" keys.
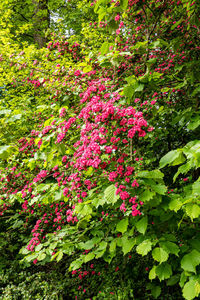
{"x": 100, "y": 149}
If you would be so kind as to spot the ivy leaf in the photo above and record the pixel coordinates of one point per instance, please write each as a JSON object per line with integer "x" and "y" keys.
{"x": 190, "y": 261}
{"x": 160, "y": 254}
{"x": 122, "y": 225}
{"x": 163, "y": 271}
{"x": 142, "y": 225}
{"x": 144, "y": 247}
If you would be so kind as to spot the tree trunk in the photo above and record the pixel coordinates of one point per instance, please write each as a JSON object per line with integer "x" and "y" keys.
{"x": 41, "y": 21}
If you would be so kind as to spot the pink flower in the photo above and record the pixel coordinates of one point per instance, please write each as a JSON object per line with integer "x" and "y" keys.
{"x": 117, "y": 17}
{"x": 118, "y": 31}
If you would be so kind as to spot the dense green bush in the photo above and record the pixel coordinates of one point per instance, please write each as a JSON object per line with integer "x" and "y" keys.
{"x": 100, "y": 154}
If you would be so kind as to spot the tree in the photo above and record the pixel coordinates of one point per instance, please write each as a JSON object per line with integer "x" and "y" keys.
{"x": 101, "y": 175}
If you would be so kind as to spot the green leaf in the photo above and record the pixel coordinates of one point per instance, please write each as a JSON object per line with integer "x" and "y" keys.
{"x": 113, "y": 246}
{"x": 173, "y": 280}
{"x": 151, "y": 174}
{"x": 159, "y": 188}
{"x": 142, "y": 225}
{"x": 190, "y": 261}
{"x": 139, "y": 88}
{"x": 124, "y": 4}
{"x": 110, "y": 194}
{"x": 170, "y": 247}
{"x": 156, "y": 291}
{"x": 41, "y": 256}
{"x": 5, "y": 151}
{"x": 160, "y": 255}
{"x": 127, "y": 244}
{"x": 60, "y": 256}
{"x": 122, "y": 225}
{"x": 144, "y": 247}
{"x": 175, "y": 204}
{"x": 194, "y": 123}
{"x": 163, "y": 271}
{"x": 168, "y": 158}
{"x": 88, "y": 245}
{"x": 89, "y": 257}
{"x": 152, "y": 273}
{"x": 189, "y": 290}
{"x": 192, "y": 210}
{"x": 147, "y": 195}
{"x": 196, "y": 187}
{"x": 104, "y": 48}
{"x": 76, "y": 264}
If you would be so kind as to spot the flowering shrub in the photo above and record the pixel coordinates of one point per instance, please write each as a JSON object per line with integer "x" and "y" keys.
{"x": 102, "y": 171}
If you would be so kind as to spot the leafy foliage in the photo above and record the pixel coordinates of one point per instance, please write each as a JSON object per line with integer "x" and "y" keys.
{"x": 99, "y": 150}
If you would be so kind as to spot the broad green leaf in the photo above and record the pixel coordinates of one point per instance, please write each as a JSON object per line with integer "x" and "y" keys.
{"x": 124, "y": 4}
{"x": 196, "y": 187}
{"x": 76, "y": 264}
{"x": 122, "y": 225}
{"x": 182, "y": 170}
{"x": 159, "y": 188}
{"x": 104, "y": 48}
{"x": 170, "y": 247}
{"x": 160, "y": 254}
{"x": 5, "y": 151}
{"x": 110, "y": 194}
{"x": 152, "y": 273}
{"x": 168, "y": 158}
{"x": 113, "y": 246}
{"x": 127, "y": 244}
{"x": 173, "y": 280}
{"x": 88, "y": 245}
{"x": 142, "y": 225}
{"x": 194, "y": 123}
{"x": 192, "y": 210}
{"x": 190, "y": 261}
{"x": 147, "y": 195}
{"x": 189, "y": 290}
{"x": 41, "y": 256}
{"x": 175, "y": 204}
{"x": 156, "y": 291}
{"x": 144, "y": 247}
{"x": 163, "y": 271}
{"x": 89, "y": 257}
{"x": 60, "y": 256}
{"x": 151, "y": 174}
